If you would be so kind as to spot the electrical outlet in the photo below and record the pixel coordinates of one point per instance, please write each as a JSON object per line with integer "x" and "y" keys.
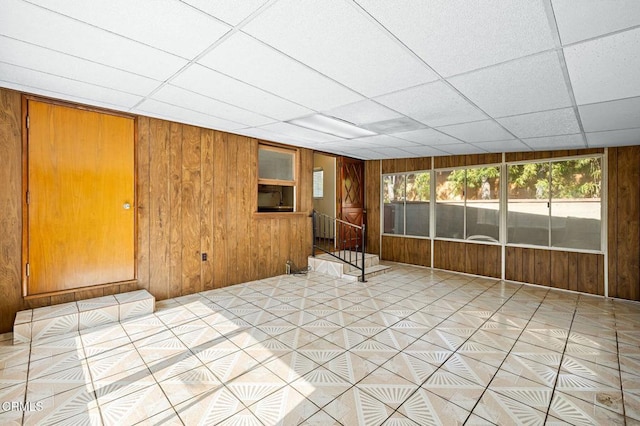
{"x": 204, "y": 257}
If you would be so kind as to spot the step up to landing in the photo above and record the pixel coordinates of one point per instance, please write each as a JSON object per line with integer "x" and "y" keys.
{"x": 49, "y": 321}
{"x": 329, "y": 265}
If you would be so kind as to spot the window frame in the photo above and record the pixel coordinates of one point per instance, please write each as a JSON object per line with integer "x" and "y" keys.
{"x": 294, "y": 183}
{"x": 404, "y": 210}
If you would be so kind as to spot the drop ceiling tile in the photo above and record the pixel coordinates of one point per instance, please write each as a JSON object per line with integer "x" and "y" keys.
{"x": 382, "y": 153}
{"x": 35, "y": 80}
{"x": 614, "y": 138}
{"x": 395, "y": 125}
{"x": 362, "y": 154}
{"x": 427, "y": 137}
{"x": 463, "y": 148}
{"x": 166, "y": 111}
{"x": 362, "y": 112}
{"x": 503, "y": 146}
{"x": 229, "y": 11}
{"x": 36, "y": 58}
{"x": 544, "y": 123}
{"x": 293, "y": 131}
{"x": 434, "y": 104}
{"x": 172, "y": 26}
{"x": 478, "y": 131}
{"x": 605, "y": 69}
{"x": 32, "y": 24}
{"x": 612, "y": 115}
{"x": 592, "y": 18}
{"x": 223, "y": 88}
{"x": 246, "y": 59}
{"x": 424, "y": 151}
{"x": 456, "y": 36}
{"x": 196, "y": 102}
{"x": 535, "y": 83}
{"x": 339, "y": 41}
{"x": 555, "y": 142}
{"x": 384, "y": 140}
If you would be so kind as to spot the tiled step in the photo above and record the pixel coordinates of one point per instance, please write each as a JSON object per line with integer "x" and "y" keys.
{"x": 41, "y": 323}
{"x": 327, "y": 264}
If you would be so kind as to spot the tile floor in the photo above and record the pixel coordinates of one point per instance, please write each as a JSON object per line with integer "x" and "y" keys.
{"x": 413, "y": 346}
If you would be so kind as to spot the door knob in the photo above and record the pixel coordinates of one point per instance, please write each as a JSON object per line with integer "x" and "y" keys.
{"x": 126, "y": 206}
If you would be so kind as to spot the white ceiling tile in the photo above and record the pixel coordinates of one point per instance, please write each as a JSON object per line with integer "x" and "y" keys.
{"x": 454, "y": 36}
{"x": 196, "y": 102}
{"x": 166, "y": 111}
{"x": 30, "y": 23}
{"x": 384, "y": 140}
{"x": 463, "y": 148}
{"x": 35, "y": 80}
{"x": 218, "y": 86}
{"x": 478, "y": 131}
{"x": 427, "y": 137}
{"x": 530, "y": 84}
{"x": 229, "y": 11}
{"x": 434, "y": 104}
{"x": 299, "y": 132}
{"x": 503, "y": 146}
{"x": 545, "y": 123}
{"x": 340, "y": 42}
{"x": 390, "y": 153}
{"x": 612, "y": 115}
{"x": 26, "y": 55}
{"x": 591, "y": 18}
{"x": 606, "y": 68}
{"x": 395, "y": 125}
{"x": 555, "y": 142}
{"x": 424, "y": 151}
{"x": 362, "y": 112}
{"x": 173, "y": 26}
{"x": 614, "y": 138}
{"x": 240, "y": 55}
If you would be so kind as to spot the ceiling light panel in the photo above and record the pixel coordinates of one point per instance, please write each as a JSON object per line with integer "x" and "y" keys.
{"x": 606, "y": 68}
{"x": 535, "y": 83}
{"x": 613, "y": 115}
{"x": 32, "y": 24}
{"x": 182, "y": 115}
{"x": 172, "y": 26}
{"x": 545, "y": 123}
{"x": 51, "y": 62}
{"x": 480, "y": 33}
{"x": 592, "y": 18}
{"x": 248, "y": 60}
{"x": 478, "y": 131}
{"x": 614, "y": 138}
{"x": 230, "y": 11}
{"x": 556, "y": 142}
{"x": 427, "y": 137}
{"x": 194, "y": 101}
{"x": 503, "y": 146}
{"x": 340, "y": 42}
{"x": 34, "y": 81}
{"x": 332, "y": 126}
{"x": 226, "y": 89}
{"x": 363, "y": 112}
{"x": 395, "y": 125}
{"x": 434, "y": 104}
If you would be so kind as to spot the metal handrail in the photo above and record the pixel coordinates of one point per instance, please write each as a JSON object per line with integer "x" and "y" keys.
{"x": 327, "y": 229}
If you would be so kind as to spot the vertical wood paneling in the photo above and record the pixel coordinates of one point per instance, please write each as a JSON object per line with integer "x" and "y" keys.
{"x": 220, "y": 234}
{"x": 372, "y": 205}
{"x": 11, "y": 207}
{"x": 175, "y": 197}
{"x": 191, "y": 275}
{"x": 159, "y": 207}
{"x": 206, "y": 218}
{"x": 244, "y": 187}
{"x": 142, "y": 194}
{"x": 231, "y": 206}
{"x": 559, "y": 269}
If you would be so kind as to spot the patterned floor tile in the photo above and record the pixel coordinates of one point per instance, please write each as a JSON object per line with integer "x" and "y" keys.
{"x": 350, "y": 366}
{"x": 520, "y": 389}
{"x": 60, "y": 381}
{"x": 211, "y": 407}
{"x": 284, "y": 407}
{"x": 255, "y": 385}
{"x": 500, "y": 409}
{"x": 122, "y": 384}
{"x": 426, "y": 408}
{"x": 579, "y": 412}
{"x": 291, "y": 366}
{"x": 454, "y": 389}
{"x": 62, "y": 406}
{"x": 136, "y": 407}
{"x": 321, "y": 386}
{"x": 589, "y": 370}
{"x": 355, "y": 407}
{"x": 189, "y": 384}
{"x": 529, "y": 369}
{"x": 411, "y": 368}
{"x": 537, "y": 354}
{"x": 590, "y": 391}
{"x": 470, "y": 369}
{"x": 228, "y": 367}
{"x": 632, "y": 405}
{"x": 483, "y": 353}
{"x": 387, "y": 387}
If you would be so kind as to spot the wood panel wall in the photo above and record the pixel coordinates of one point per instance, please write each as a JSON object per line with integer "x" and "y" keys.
{"x": 624, "y": 222}
{"x": 372, "y": 204}
{"x": 470, "y": 258}
{"x": 416, "y": 251}
{"x": 196, "y": 193}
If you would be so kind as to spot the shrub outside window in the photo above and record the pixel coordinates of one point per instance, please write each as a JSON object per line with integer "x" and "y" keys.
{"x": 406, "y": 203}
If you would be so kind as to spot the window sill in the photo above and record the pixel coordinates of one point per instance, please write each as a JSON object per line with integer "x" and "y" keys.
{"x": 279, "y": 215}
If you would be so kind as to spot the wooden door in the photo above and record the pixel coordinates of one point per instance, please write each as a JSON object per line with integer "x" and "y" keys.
{"x": 80, "y": 202}
{"x": 351, "y": 200}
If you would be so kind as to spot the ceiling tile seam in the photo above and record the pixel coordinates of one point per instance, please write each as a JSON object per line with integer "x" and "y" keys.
{"x": 536, "y": 112}
{"x": 609, "y": 101}
{"x": 613, "y": 130}
{"x": 391, "y": 35}
{"x": 207, "y": 14}
{"x": 200, "y": 112}
{"x": 107, "y": 31}
{"x": 208, "y": 49}
{"x": 80, "y": 58}
{"x": 70, "y": 79}
{"x": 601, "y": 36}
{"x": 437, "y": 130}
{"x": 555, "y": 33}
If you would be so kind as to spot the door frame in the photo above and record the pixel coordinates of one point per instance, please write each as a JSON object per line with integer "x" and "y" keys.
{"x": 25, "y": 185}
